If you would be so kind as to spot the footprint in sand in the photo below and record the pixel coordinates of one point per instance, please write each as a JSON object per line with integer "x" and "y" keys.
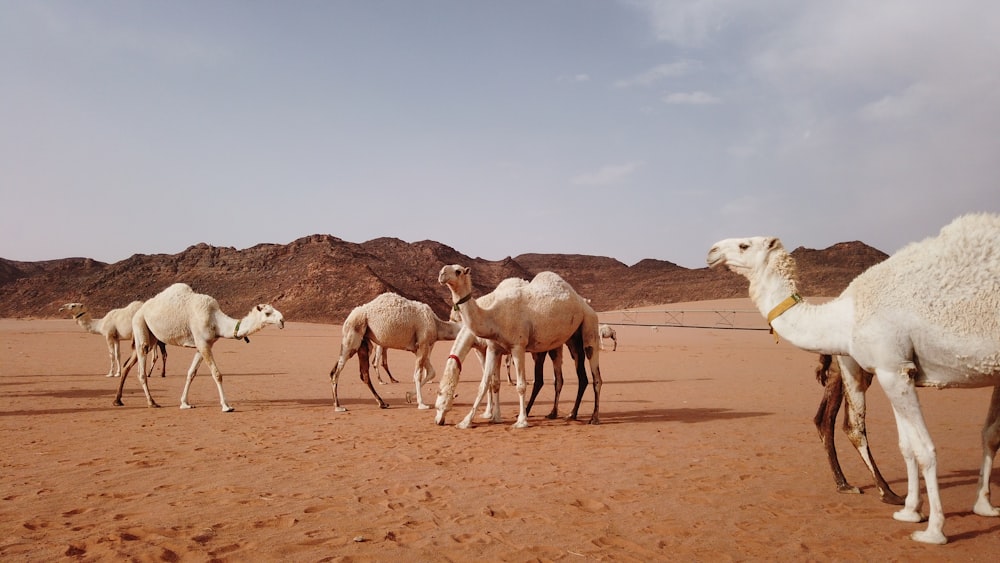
{"x": 590, "y": 505}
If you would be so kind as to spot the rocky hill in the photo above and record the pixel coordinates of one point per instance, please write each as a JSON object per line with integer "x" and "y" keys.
{"x": 320, "y": 278}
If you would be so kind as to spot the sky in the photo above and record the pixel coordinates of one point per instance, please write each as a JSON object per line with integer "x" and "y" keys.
{"x": 632, "y": 128}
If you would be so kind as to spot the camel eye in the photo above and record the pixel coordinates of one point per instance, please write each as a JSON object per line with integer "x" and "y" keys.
{"x": 744, "y": 246}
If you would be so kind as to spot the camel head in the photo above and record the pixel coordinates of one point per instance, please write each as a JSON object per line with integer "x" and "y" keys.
{"x": 269, "y": 315}
{"x": 77, "y": 310}
{"x": 457, "y": 278}
{"x": 744, "y": 255}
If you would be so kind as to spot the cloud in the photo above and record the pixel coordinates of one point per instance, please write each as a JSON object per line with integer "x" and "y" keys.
{"x": 698, "y": 98}
{"x": 659, "y": 72}
{"x": 607, "y": 175}
{"x": 691, "y": 23}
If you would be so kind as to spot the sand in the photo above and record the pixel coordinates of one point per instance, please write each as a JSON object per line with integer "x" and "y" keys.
{"x": 706, "y": 451}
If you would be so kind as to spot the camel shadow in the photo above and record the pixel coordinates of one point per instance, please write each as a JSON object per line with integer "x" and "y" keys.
{"x": 64, "y": 394}
{"x": 957, "y": 478}
{"x": 685, "y": 415}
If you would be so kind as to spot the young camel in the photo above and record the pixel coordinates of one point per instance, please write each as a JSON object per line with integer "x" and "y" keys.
{"x": 116, "y": 326}
{"x": 608, "y": 332}
{"x": 928, "y": 316}
{"x": 521, "y": 317}
{"x": 180, "y": 317}
{"x": 830, "y": 377}
{"x": 391, "y": 321}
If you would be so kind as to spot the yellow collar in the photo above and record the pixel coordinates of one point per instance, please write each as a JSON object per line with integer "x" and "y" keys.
{"x": 779, "y": 309}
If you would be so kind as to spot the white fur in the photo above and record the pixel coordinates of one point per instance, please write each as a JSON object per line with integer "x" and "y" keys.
{"x": 607, "y": 331}
{"x": 392, "y": 321}
{"x": 927, "y": 316}
{"x": 115, "y": 326}
{"x": 180, "y": 317}
{"x": 520, "y": 317}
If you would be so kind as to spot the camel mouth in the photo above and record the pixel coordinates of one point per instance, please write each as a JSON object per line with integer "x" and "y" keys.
{"x": 715, "y": 261}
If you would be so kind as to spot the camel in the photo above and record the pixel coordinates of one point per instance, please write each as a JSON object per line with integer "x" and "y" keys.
{"x": 608, "y": 332}
{"x": 928, "y": 316}
{"x": 392, "y": 321}
{"x": 180, "y": 317}
{"x": 381, "y": 358}
{"x": 521, "y": 317}
{"x": 116, "y": 326}
{"x": 829, "y": 376}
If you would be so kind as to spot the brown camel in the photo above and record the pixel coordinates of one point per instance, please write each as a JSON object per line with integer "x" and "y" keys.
{"x": 830, "y": 377}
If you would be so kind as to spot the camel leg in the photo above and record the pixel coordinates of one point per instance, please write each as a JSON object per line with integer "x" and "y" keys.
{"x": 385, "y": 366}
{"x": 348, "y": 348}
{"x": 517, "y": 356}
{"x": 192, "y": 371}
{"x": 216, "y": 376}
{"x": 364, "y": 361}
{"x": 484, "y": 385}
{"x": 141, "y": 348}
{"x": 578, "y": 354}
{"x": 423, "y": 371}
{"x": 615, "y": 340}
{"x": 854, "y": 385}
{"x": 130, "y": 362}
{"x": 493, "y": 368}
{"x": 163, "y": 355}
{"x": 991, "y": 440}
{"x": 536, "y": 386}
{"x": 557, "y": 381}
{"x": 826, "y": 419}
{"x": 918, "y": 450}
{"x": 114, "y": 353}
{"x": 595, "y": 370}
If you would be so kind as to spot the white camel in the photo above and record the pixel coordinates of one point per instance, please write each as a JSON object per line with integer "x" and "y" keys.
{"x": 380, "y": 359}
{"x": 928, "y": 316}
{"x": 521, "y": 317}
{"x": 180, "y": 317}
{"x": 608, "y": 332}
{"x": 392, "y": 321}
{"x": 115, "y": 326}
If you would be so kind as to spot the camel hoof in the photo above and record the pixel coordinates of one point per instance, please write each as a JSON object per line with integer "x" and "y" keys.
{"x": 118, "y": 403}
{"x": 907, "y": 516}
{"x": 423, "y": 407}
{"x": 465, "y": 424}
{"x": 521, "y": 424}
{"x": 383, "y": 405}
{"x": 552, "y": 415}
{"x": 984, "y": 508}
{"x": 890, "y": 497}
{"x": 340, "y": 409}
{"x": 228, "y": 408}
{"x": 594, "y": 421}
{"x": 846, "y": 489}
{"x": 185, "y": 406}
{"x": 927, "y": 536}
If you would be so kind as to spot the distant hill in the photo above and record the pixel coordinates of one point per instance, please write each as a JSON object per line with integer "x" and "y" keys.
{"x": 320, "y": 278}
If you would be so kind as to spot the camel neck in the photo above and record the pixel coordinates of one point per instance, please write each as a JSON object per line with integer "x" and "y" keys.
{"x": 823, "y": 328}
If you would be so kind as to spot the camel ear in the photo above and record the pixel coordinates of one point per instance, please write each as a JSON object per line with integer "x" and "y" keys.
{"x": 260, "y": 307}
{"x": 773, "y": 243}
{"x": 466, "y": 270}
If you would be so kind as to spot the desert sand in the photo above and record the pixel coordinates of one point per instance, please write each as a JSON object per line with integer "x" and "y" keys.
{"x": 706, "y": 451}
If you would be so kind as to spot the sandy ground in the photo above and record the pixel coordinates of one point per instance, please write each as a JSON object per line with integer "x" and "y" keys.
{"x": 706, "y": 451}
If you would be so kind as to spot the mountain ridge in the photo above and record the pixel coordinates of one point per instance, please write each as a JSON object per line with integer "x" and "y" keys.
{"x": 320, "y": 278}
